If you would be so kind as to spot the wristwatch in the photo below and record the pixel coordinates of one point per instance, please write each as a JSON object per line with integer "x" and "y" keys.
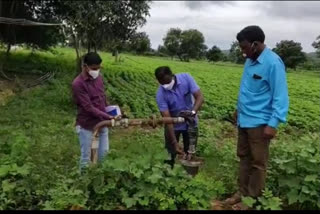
{"x": 193, "y": 112}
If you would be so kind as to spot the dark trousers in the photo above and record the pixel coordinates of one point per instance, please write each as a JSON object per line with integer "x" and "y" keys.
{"x": 185, "y": 137}
{"x": 253, "y": 151}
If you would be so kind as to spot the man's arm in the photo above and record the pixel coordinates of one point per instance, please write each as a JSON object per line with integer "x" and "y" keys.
{"x": 280, "y": 98}
{"x": 172, "y": 136}
{"x": 199, "y": 100}
{"x": 83, "y": 99}
{"x": 164, "y": 110}
{"x": 170, "y": 128}
{"x": 196, "y": 92}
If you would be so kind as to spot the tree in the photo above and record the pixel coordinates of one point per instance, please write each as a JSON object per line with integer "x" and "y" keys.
{"x": 192, "y": 44}
{"x": 184, "y": 44}
{"x": 290, "y": 52}
{"x": 41, "y": 37}
{"x": 139, "y": 43}
{"x": 235, "y": 54}
{"x": 316, "y": 45}
{"x": 161, "y": 49}
{"x": 214, "y": 54}
{"x": 97, "y": 24}
{"x": 172, "y": 41}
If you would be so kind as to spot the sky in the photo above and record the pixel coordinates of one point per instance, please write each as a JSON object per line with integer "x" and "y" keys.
{"x": 220, "y": 21}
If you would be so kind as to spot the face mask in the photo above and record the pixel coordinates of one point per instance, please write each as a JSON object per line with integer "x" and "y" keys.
{"x": 169, "y": 86}
{"x": 94, "y": 73}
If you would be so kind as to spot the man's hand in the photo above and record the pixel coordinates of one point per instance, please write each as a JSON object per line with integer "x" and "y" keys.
{"x": 186, "y": 113}
{"x": 178, "y": 148}
{"x": 110, "y": 117}
{"x": 269, "y": 132}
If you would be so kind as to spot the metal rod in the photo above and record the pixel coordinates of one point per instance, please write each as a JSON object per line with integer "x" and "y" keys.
{"x": 152, "y": 121}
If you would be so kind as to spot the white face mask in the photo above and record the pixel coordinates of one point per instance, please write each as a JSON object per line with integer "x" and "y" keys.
{"x": 94, "y": 73}
{"x": 169, "y": 86}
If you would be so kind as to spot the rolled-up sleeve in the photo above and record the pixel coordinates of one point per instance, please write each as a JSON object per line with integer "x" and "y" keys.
{"x": 279, "y": 92}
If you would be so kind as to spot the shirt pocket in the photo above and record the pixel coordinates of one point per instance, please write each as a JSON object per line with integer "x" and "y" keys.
{"x": 255, "y": 85}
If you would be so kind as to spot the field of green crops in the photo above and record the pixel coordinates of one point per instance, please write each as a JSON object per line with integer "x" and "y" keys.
{"x": 39, "y": 150}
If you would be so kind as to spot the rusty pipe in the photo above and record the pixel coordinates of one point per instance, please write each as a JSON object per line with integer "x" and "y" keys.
{"x": 152, "y": 121}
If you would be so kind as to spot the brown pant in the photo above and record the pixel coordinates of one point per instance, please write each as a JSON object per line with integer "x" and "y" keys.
{"x": 253, "y": 151}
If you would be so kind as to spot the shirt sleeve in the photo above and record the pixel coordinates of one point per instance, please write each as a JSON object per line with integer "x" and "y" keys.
{"x": 279, "y": 92}
{"x": 161, "y": 102}
{"x": 192, "y": 84}
{"x": 82, "y": 98}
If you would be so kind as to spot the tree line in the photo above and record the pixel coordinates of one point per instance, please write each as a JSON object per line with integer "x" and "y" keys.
{"x": 112, "y": 26}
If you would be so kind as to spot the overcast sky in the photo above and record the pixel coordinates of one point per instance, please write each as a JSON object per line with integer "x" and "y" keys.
{"x": 220, "y": 21}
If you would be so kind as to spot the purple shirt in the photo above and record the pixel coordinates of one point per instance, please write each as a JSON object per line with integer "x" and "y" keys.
{"x": 89, "y": 96}
{"x": 179, "y": 98}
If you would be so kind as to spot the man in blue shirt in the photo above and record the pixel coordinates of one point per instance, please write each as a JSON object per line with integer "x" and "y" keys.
{"x": 263, "y": 103}
{"x": 178, "y": 94}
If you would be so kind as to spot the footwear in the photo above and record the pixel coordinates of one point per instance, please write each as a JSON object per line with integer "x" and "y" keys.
{"x": 236, "y": 198}
{"x": 189, "y": 157}
{"x": 240, "y": 206}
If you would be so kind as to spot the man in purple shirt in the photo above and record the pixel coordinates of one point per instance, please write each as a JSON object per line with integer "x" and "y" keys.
{"x": 90, "y": 98}
{"x": 178, "y": 93}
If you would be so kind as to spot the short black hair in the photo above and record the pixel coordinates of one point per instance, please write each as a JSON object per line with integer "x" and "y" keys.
{"x": 251, "y": 33}
{"x": 162, "y": 71}
{"x": 92, "y": 58}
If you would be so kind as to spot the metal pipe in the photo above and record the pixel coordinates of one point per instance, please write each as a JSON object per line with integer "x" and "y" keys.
{"x": 125, "y": 122}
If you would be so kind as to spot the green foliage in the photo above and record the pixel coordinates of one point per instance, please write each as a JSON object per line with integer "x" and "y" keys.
{"x": 184, "y": 44}
{"x": 290, "y": 52}
{"x": 172, "y": 41}
{"x": 145, "y": 183}
{"x": 39, "y": 151}
{"x": 41, "y": 37}
{"x": 316, "y": 45}
{"x": 235, "y": 54}
{"x": 214, "y": 54}
{"x": 139, "y": 43}
{"x": 265, "y": 202}
{"x": 295, "y": 172}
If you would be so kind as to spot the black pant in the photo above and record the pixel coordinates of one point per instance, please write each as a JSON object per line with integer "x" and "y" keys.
{"x": 186, "y": 135}
{"x": 170, "y": 147}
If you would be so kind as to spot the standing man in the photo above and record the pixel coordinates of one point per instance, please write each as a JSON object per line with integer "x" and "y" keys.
{"x": 263, "y": 103}
{"x": 179, "y": 95}
{"x": 89, "y": 96}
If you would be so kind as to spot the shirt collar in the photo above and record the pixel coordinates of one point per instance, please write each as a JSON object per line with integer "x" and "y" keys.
{"x": 261, "y": 57}
{"x": 178, "y": 80}
{"x": 85, "y": 76}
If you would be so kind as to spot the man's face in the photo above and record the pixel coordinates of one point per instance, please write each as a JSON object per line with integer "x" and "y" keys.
{"x": 165, "y": 79}
{"x": 87, "y": 68}
{"x": 248, "y": 49}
